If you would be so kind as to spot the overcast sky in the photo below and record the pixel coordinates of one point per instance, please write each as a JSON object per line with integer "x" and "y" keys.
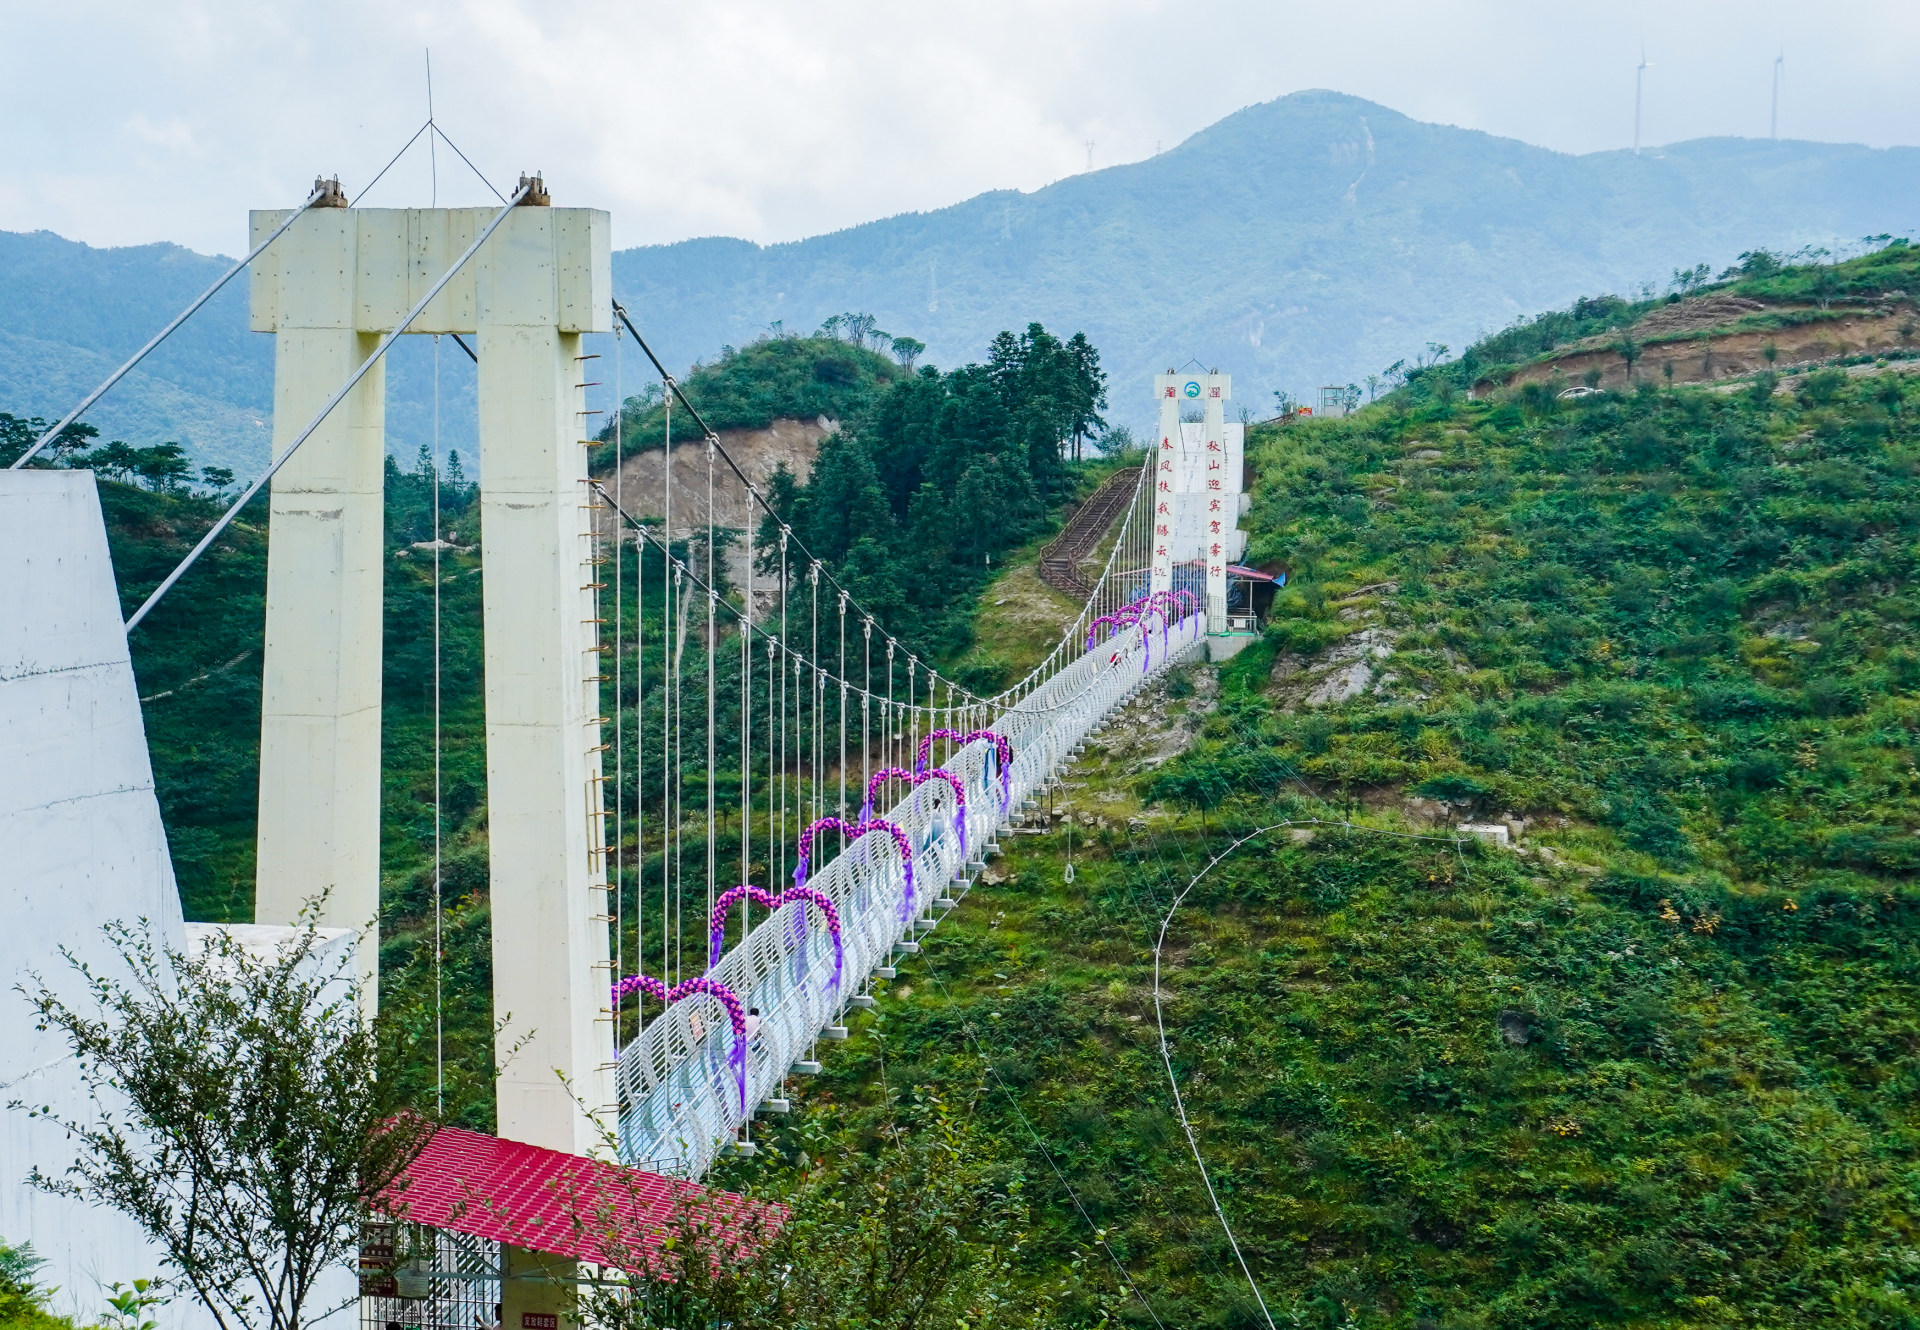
{"x": 132, "y": 122}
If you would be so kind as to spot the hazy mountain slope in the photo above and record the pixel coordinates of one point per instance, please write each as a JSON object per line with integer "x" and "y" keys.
{"x": 1306, "y": 240}
{"x": 1302, "y": 241}
{"x": 70, "y": 314}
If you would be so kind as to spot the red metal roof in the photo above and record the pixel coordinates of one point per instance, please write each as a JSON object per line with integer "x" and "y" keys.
{"x": 558, "y": 1203}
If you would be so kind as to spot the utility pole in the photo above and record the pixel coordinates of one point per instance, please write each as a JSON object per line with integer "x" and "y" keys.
{"x": 1639, "y": 79}
{"x": 1778, "y": 61}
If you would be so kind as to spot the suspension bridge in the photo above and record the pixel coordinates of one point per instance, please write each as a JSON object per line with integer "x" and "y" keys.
{"x": 864, "y": 790}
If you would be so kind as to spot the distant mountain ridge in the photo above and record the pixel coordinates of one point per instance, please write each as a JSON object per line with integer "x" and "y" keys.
{"x": 1306, "y": 240}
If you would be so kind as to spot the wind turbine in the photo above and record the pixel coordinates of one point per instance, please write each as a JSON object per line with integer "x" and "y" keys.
{"x": 1779, "y": 61}
{"x": 1639, "y": 78}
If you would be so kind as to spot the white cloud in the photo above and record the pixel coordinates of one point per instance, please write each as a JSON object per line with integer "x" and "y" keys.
{"x": 174, "y": 135}
{"x": 130, "y": 123}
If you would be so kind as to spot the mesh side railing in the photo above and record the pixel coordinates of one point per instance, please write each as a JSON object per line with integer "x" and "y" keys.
{"x": 681, "y": 1098}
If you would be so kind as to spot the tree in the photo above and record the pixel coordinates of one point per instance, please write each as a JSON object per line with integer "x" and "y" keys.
{"x": 217, "y": 478}
{"x": 163, "y": 467}
{"x": 1770, "y": 353}
{"x": 1688, "y": 280}
{"x": 19, "y": 433}
{"x": 1373, "y": 386}
{"x": 114, "y": 460}
{"x": 907, "y": 350}
{"x": 1089, "y": 392}
{"x": 917, "y": 1231}
{"x": 241, "y": 1119}
{"x": 1629, "y": 351}
{"x": 1826, "y": 284}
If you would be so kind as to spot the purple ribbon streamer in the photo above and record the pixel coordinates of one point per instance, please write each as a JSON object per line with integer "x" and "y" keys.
{"x": 853, "y": 833}
{"x": 917, "y": 779}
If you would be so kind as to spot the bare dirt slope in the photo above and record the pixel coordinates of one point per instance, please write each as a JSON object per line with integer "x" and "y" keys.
{"x": 1710, "y": 338}
{"x": 757, "y": 452}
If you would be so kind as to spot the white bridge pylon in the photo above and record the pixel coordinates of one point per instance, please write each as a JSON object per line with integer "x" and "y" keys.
{"x": 683, "y": 1096}
{"x": 337, "y": 280}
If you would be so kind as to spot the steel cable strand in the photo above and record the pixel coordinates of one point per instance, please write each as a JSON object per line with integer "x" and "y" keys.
{"x": 753, "y": 491}
{"x": 717, "y": 921}
{"x": 178, "y": 319}
{"x": 1159, "y": 1014}
{"x": 675, "y": 390}
{"x": 700, "y": 986}
{"x": 360, "y": 371}
{"x": 972, "y": 1033}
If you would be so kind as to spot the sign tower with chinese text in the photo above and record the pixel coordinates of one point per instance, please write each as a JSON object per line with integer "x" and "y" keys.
{"x": 1196, "y": 499}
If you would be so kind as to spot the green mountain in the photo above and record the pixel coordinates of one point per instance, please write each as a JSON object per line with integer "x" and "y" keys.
{"x": 1304, "y": 241}
{"x": 70, "y": 314}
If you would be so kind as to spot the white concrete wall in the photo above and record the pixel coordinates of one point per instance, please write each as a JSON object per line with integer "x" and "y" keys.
{"x": 81, "y": 844}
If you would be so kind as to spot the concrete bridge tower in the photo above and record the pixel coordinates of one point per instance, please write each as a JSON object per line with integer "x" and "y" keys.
{"x": 336, "y": 281}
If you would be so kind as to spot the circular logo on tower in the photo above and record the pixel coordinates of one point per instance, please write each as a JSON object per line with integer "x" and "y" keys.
{"x": 1193, "y": 388}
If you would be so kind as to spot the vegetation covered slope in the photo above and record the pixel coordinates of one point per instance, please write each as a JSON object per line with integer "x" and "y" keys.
{"x": 747, "y": 387}
{"x": 1655, "y": 1065}
{"x": 912, "y": 502}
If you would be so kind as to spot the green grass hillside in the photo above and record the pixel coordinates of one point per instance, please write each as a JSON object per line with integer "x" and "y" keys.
{"x": 1652, "y": 1065}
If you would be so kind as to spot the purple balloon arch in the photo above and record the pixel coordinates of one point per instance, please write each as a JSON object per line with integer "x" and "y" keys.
{"x": 717, "y": 921}
{"x": 917, "y": 779}
{"x": 853, "y": 832}
{"x": 701, "y": 986}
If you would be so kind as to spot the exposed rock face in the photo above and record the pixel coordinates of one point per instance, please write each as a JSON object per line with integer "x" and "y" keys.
{"x": 1346, "y": 671}
{"x": 758, "y": 452}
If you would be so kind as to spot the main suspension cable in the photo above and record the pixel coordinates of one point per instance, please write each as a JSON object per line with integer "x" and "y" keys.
{"x": 360, "y": 372}
{"x": 319, "y": 192}
{"x": 753, "y": 492}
